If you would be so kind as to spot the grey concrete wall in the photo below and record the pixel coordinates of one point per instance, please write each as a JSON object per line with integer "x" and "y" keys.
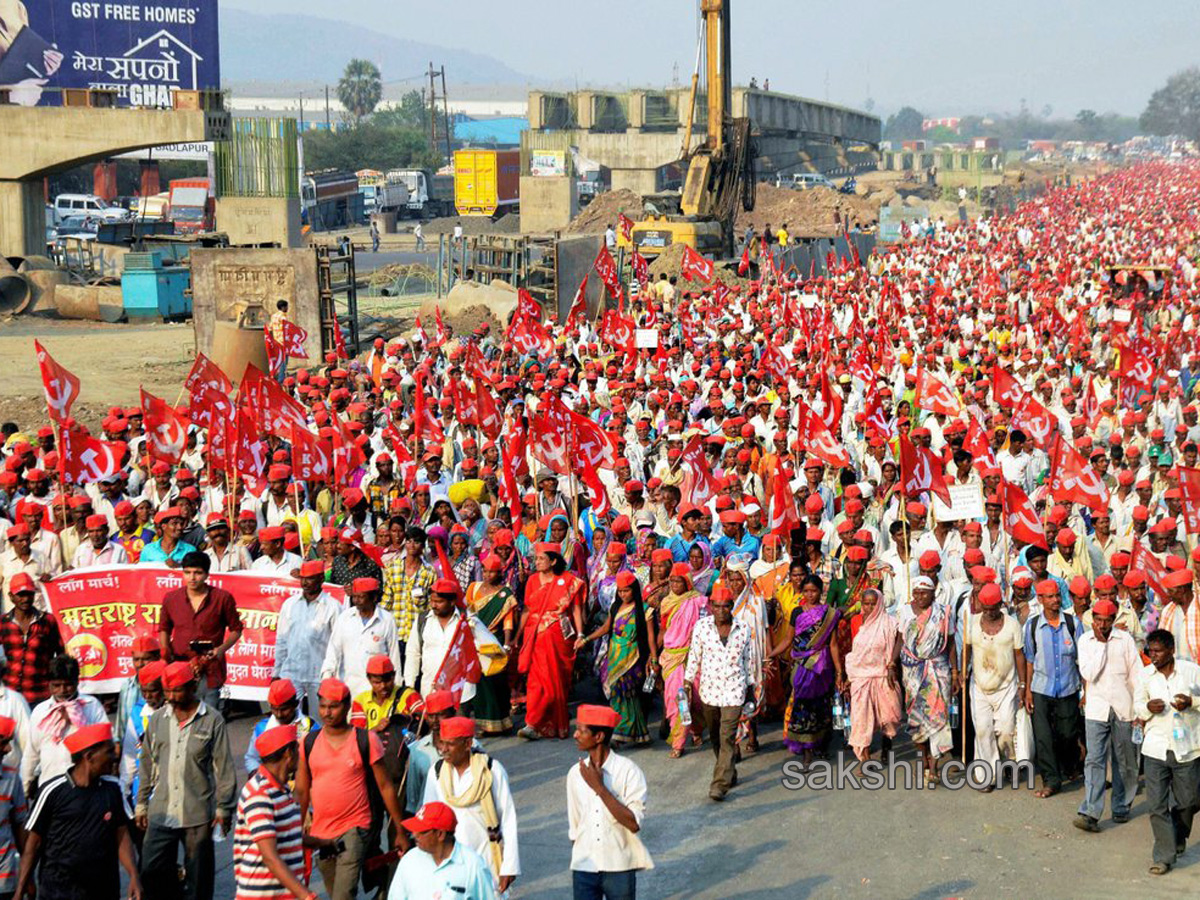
{"x": 548, "y": 204}
{"x": 575, "y": 256}
{"x": 260, "y": 220}
{"x": 22, "y": 219}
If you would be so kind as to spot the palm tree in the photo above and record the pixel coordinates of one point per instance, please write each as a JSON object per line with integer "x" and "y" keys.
{"x": 360, "y": 88}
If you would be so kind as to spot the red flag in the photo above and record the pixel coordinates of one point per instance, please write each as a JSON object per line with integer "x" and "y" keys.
{"x": 60, "y": 386}
{"x": 578, "y": 312}
{"x": 617, "y": 331}
{"x": 530, "y": 337}
{"x": 249, "y": 454}
{"x": 1189, "y": 487}
{"x": 84, "y": 459}
{"x": 1005, "y": 389}
{"x": 166, "y": 429}
{"x": 641, "y": 269}
{"x": 460, "y": 666}
{"x": 976, "y": 443}
{"x": 1036, "y": 421}
{"x": 877, "y": 413}
{"x": 208, "y": 406}
{"x": 512, "y": 459}
{"x": 775, "y": 362}
{"x": 293, "y": 340}
{"x": 275, "y": 352}
{"x": 625, "y": 225}
{"x": 420, "y": 332}
{"x": 206, "y": 373}
{"x": 488, "y": 409}
{"x": 312, "y": 458}
{"x": 935, "y": 395}
{"x": 427, "y": 427}
{"x": 550, "y": 435}
{"x": 347, "y": 455}
{"x": 1091, "y": 404}
{"x": 831, "y": 413}
{"x": 819, "y": 440}
{"x": 465, "y": 402}
{"x": 1073, "y": 479}
{"x": 590, "y": 444}
{"x": 219, "y": 438}
{"x": 606, "y": 267}
{"x": 440, "y": 335}
{"x": 1137, "y": 374}
{"x": 784, "y": 515}
{"x": 275, "y": 411}
{"x": 922, "y": 470}
{"x": 1020, "y": 518}
{"x": 339, "y": 342}
{"x": 1142, "y": 560}
{"x": 695, "y": 267}
{"x": 744, "y": 262}
{"x": 597, "y": 495}
{"x": 699, "y": 483}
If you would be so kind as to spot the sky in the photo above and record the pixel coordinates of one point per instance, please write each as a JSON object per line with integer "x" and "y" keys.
{"x": 944, "y": 58}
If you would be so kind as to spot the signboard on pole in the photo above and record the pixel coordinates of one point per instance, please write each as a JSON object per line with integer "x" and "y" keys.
{"x": 143, "y": 51}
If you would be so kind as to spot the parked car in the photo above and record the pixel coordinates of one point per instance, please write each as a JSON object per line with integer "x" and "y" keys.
{"x": 83, "y": 228}
{"x": 68, "y": 205}
{"x": 802, "y": 181}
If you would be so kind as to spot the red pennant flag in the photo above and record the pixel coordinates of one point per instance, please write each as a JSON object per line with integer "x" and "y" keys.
{"x": 1073, "y": 479}
{"x": 784, "y": 515}
{"x": 976, "y": 443}
{"x": 249, "y": 454}
{"x": 460, "y": 666}
{"x": 641, "y": 269}
{"x": 488, "y": 407}
{"x": 1020, "y": 518}
{"x": 220, "y": 436}
{"x": 606, "y": 267}
{"x": 695, "y": 267}
{"x": 744, "y": 262}
{"x": 597, "y": 495}
{"x": 617, "y": 330}
{"x": 347, "y": 455}
{"x": 207, "y": 406}
{"x": 312, "y": 458}
{"x": 699, "y": 483}
{"x": 935, "y": 395}
{"x": 1137, "y": 375}
{"x": 339, "y": 342}
{"x": 1091, "y": 404}
{"x": 833, "y": 403}
{"x": 60, "y": 386}
{"x": 84, "y": 459}
{"x": 427, "y": 427}
{"x": 550, "y": 435}
{"x": 206, "y": 373}
{"x": 1189, "y": 487}
{"x": 590, "y": 444}
{"x": 775, "y": 362}
{"x": 578, "y": 312}
{"x": 275, "y": 411}
{"x": 166, "y": 430}
{"x": 1036, "y": 421}
{"x": 275, "y": 352}
{"x": 922, "y": 471}
{"x": 440, "y": 335}
{"x": 530, "y": 337}
{"x": 819, "y": 440}
{"x": 625, "y": 225}
{"x": 293, "y": 340}
{"x": 406, "y": 466}
{"x": 1005, "y": 389}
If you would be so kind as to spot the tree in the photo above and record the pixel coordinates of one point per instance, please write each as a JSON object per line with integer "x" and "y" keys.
{"x": 410, "y": 112}
{"x": 904, "y": 125}
{"x": 1175, "y": 107}
{"x": 1088, "y": 122}
{"x": 368, "y": 147}
{"x": 360, "y": 89}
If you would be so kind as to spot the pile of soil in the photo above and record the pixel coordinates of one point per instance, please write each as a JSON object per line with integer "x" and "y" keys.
{"x": 506, "y": 224}
{"x": 671, "y": 260}
{"x": 603, "y": 210}
{"x": 813, "y": 213}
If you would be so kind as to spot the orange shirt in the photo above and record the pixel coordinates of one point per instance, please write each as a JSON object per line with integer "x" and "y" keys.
{"x": 338, "y": 795}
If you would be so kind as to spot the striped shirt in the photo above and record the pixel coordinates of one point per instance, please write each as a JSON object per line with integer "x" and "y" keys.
{"x": 265, "y": 810}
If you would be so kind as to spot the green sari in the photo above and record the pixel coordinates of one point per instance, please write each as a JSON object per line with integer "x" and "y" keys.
{"x": 622, "y": 675}
{"x": 491, "y": 705}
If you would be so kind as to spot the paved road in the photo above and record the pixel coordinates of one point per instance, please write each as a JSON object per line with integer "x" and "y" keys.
{"x": 767, "y": 840}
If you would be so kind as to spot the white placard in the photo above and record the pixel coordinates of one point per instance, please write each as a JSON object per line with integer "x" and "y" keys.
{"x": 645, "y": 338}
{"x": 966, "y": 504}
{"x": 1122, "y": 315}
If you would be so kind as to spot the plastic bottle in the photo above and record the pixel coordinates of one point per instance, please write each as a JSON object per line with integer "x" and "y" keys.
{"x": 838, "y": 713}
{"x": 1138, "y": 733}
{"x": 954, "y": 713}
{"x": 685, "y": 707}
{"x": 1178, "y": 731}
{"x": 651, "y": 680}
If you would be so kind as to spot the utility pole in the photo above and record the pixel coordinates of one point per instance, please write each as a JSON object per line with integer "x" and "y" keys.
{"x": 328, "y": 125}
{"x": 446, "y": 109}
{"x": 302, "y": 112}
{"x": 432, "y": 110}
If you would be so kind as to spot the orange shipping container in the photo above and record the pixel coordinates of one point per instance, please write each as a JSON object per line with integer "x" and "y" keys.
{"x": 486, "y": 182}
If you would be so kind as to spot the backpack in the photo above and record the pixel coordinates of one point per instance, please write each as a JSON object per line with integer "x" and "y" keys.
{"x": 1035, "y": 624}
{"x": 370, "y": 878}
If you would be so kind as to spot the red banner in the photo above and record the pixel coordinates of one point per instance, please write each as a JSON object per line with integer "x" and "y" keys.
{"x": 100, "y": 611}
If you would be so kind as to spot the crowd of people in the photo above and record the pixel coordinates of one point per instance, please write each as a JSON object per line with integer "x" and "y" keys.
{"x": 949, "y": 489}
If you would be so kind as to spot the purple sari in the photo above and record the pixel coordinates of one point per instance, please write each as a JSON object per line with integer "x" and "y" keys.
{"x": 809, "y": 718}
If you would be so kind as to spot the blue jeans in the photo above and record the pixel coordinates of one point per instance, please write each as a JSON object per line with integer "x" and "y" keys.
{"x": 1109, "y": 740}
{"x": 605, "y": 885}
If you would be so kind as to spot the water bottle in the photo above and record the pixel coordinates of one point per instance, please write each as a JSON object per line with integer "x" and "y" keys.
{"x": 847, "y": 723}
{"x": 1138, "y": 733}
{"x": 1178, "y": 732}
{"x": 685, "y": 707}
{"x": 954, "y": 713}
{"x": 651, "y": 680}
{"x": 839, "y": 714}
{"x": 748, "y": 709}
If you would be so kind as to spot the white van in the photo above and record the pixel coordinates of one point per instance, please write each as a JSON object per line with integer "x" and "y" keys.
{"x": 86, "y": 205}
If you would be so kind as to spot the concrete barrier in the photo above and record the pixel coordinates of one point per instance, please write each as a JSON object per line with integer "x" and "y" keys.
{"x": 97, "y": 303}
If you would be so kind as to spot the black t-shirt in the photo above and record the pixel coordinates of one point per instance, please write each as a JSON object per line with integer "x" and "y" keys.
{"x": 78, "y": 827}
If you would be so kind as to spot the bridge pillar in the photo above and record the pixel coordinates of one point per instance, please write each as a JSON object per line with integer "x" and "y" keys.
{"x": 22, "y": 218}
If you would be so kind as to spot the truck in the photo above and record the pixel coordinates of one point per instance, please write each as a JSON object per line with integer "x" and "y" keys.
{"x": 429, "y": 195}
{"x": 190, "y": 205}
{"x": 330, "y": 199}
{"x": 486, "y": 182}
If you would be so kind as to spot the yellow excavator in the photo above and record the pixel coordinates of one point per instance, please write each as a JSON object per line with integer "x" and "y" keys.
{"x": 720, "y": 171}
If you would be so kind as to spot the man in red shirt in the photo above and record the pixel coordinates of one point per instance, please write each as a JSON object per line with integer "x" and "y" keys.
{"x": 30, "y": 639}
{"x": 199, "y": 623}
{"x": 342, "y": 776}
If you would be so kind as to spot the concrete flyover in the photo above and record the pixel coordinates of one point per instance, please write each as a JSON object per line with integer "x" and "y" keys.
{"x": 638, "y": 134}
{"x": 38, "y": 141}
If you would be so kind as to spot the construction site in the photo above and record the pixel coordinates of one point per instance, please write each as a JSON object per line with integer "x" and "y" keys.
{"x": 711, "y": 166}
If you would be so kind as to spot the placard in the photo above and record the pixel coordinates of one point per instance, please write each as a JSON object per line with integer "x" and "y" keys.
{"x": 646, "y": 338}
{"x": 1124, "y": 316}
{"x": 966, "y": 504}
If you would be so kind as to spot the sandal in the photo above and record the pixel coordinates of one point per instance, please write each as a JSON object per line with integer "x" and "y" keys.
{"x": 675, "y": 753}
{"x": 529, "y": 734}
{"x": 1160, "y": 869}
{"x": 1045, "y": 793}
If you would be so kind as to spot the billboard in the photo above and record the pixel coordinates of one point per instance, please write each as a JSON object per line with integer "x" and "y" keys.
{"x": 143, "y": 50}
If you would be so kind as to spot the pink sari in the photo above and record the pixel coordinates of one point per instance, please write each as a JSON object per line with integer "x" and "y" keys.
{"x": 679, "y": 614}
{"x": 874, "y": 704}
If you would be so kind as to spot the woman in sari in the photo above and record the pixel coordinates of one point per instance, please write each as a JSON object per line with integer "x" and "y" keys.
{"x": 552, "y": 619}
{"x": 680, "y": 611}
{"x": 645, "y": 545}
{"x": 816, "y": 672}
{"x": 873, "y": 669}
{"x": 751, "y": 610}
{"x": 700, "y": 561}
{"x": 769, "y": 575}
{"x": 659, "y": 583}
{"x": 513, "y": 574}
{"x": 463, "y": 562}
{"x": 630, "y": 635}
{"x": 473, "y": 520}
{"x": 930, "y": 669}
{"x": 558, "y": 531}
{"x": 495, "y": 604}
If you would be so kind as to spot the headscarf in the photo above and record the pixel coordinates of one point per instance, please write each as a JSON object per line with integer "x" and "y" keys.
{"x": 702, "y": 578}
{"x": 875, "y": 643}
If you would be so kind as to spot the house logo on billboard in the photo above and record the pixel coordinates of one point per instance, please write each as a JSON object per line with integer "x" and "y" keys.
{"x": 147, "y": 73}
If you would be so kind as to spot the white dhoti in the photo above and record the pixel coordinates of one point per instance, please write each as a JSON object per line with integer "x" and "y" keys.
{"x": 995, "y": 716}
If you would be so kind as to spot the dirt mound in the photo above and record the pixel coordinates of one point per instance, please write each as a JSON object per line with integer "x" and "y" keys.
{"x": 670, "y": 262}
{"x": 470, "y": 303}
{"x": 603, "y": 210}
{"x": 507, "y": 224}
{"x": 816, "y": 212}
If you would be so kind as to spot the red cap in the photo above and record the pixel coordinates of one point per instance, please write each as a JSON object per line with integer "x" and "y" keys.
{"x": 1079, "y": 586}
{"x": 439, "y": 701}
{"x": 87, "y": 736}
{"x": 431, "y": 817}
{"x": 380, "y": 664}
{"x": 446, "y": 586}
{"x": 312, "y": 567}
{"x": 1104, "y": 608}
{"x": 280, "y": 692}
{"x": 930, "y": 559}
{"x": 274, "y": 739}
{"x": 21, "y": 583}
{"x": 151, "y": 672}
{"x": 364, "y": 585}
{"x": 178, "y": 674}
{"x": 1178, "y": 578}
{"x": 592, "y": 714}
{"x": 145, "y": 643}
{"x": 989, "y": 595}
{"x": 333, "y": 689}
{"x": 271, "y": 533}
{"x": 457, "y": 727}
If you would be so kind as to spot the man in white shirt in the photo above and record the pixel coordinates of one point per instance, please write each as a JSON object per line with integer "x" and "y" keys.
{"x": 275, "y": 560}
{"x": 430, "y": 639}
{"x": 606, "y": 800}
{"x": 98, "y": 550}
{"x": 1109, "y": 664}
{"x": 63, "y": 712}
{"x": 360, "y": 632}
{"x": 306, "y": 622}
{"x": 993, "y": 656}
{"x": 225, "y": 556}
{"x": 1168, "y": 702}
